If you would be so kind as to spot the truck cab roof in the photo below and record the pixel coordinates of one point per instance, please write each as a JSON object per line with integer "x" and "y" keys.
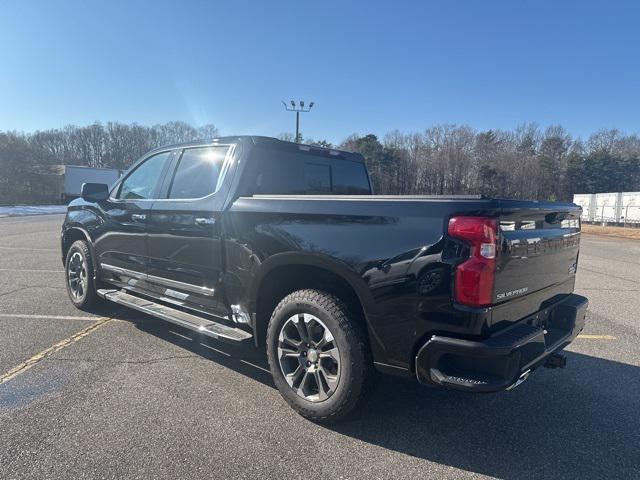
{"x": 258, "y": 140}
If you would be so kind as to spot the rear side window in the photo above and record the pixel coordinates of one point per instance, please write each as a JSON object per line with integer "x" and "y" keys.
{"x": 198, "y": 172}
{"x": 276, "y": 172}
{"x": 142, "y": 182}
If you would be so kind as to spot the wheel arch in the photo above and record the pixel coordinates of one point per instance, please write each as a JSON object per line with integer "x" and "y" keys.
{"x": 72, "y": 234}
{"x": 285, "y": 273}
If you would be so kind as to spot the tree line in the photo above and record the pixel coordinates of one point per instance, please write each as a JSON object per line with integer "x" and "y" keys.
{"x": 25, "y": 156}
{"x": 526, "y": 162}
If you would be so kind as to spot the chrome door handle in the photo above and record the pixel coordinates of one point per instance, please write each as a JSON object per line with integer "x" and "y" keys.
{"x": 138, "y": 217}
{"x": 204, "y": 221}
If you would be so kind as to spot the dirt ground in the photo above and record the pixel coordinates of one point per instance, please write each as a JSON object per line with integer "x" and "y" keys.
{"x": 628, "y": 232}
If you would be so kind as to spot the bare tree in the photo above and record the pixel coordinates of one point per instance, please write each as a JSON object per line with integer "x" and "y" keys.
{"x": 525, "y": 162}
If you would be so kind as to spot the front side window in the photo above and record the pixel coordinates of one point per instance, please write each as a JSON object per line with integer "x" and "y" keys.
{"x": 198, "y": 172}
{"x": 141, "y": 183}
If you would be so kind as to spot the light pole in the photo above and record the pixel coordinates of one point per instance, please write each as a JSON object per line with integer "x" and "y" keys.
{"x": 300, "y": 108}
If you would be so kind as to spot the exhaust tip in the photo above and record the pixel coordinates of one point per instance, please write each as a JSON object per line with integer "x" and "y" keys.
{"x": 523, "y": 376}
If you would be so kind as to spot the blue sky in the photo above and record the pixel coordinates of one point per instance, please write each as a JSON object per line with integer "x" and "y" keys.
{"x": 369, "y": 66}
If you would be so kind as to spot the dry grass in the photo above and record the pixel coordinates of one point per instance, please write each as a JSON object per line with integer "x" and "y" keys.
{"x": 628, "y": 232}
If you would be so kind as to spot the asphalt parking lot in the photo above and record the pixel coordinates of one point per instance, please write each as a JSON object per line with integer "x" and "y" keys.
{"x": 122, "y": 395}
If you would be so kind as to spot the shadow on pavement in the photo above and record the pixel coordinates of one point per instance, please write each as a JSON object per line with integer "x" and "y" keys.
{"x": 579, "y": 422}
{"x": 244, "y": 359}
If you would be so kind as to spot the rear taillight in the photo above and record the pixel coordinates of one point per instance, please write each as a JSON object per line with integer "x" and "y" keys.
{"x": 474, "y": 278}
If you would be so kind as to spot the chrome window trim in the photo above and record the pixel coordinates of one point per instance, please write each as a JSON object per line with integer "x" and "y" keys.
{"x": 116, "y": 187}
{"x": 223, "y": 171}
{"x": 209, "y": 292}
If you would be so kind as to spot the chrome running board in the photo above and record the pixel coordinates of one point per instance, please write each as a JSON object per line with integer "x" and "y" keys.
{"x": 201, "y": 325}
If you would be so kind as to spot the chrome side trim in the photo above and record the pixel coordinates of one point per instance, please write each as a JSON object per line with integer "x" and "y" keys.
{"x": 174, "y": 294}
{"x": 201, "y": 325}
{"x": 209, "y": 292}
{"x": 240, "y": 315}
{"x": 123, "y": 271}
{"x": 391, "y": 366}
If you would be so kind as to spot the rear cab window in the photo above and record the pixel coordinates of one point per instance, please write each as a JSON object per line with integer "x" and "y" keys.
{"x": 296, "y": 171}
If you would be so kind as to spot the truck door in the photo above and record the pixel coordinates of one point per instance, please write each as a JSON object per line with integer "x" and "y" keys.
{"x": 185, "y": 235}
{"x": 122, "y": 249}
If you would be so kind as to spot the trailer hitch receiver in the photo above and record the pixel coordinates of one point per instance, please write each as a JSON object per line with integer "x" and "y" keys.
{"x": 555, "y": 360}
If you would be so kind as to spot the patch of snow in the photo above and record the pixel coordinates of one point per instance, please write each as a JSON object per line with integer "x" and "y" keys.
{"x": 22, "y": 210}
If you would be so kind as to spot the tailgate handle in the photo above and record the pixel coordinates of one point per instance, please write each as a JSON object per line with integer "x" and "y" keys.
{"x": 205, "y": 221}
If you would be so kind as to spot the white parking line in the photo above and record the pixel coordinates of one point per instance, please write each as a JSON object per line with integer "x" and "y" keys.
{"x": 215, "y": 349}
{"x": 256, "y": 366}
{"x": 29, "y": 270}
{"x": 39, "y": 232}
{"x": 180, "y": 335}
{"x": 45, "y": 317}
{"x": 29, "y": 248}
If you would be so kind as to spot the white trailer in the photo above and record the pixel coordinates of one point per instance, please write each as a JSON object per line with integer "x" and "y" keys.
{"x": 75, "y": 176}
{"x": 630, "y": 207}
{"x": 606, "y": 208}
{"x": 587, "y": 202}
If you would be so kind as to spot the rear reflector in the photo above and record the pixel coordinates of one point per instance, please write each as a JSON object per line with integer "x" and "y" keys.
{"x": 474, "y": 278}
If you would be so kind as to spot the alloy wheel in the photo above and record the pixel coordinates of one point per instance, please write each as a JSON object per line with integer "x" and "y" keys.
{"x": 309, "y": 357}
{"x": 77, "y": 276}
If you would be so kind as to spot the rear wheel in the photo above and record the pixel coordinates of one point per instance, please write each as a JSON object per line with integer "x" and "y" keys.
{"x": 79, "y": 275}
{"x": 319, "y": 356}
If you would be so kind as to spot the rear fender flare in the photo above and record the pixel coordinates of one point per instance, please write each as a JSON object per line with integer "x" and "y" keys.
{"x": 312, "y": 260}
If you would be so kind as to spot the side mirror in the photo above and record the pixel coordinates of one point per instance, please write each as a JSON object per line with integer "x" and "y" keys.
{"x": 93, "y": 192}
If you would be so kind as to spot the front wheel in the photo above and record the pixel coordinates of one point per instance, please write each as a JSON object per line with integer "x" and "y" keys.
{"x": 319, "y": 357}
{"x": 79, "y": 276}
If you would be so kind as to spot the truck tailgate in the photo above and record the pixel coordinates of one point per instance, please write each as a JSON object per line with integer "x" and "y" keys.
{"x": 538, "y": 248}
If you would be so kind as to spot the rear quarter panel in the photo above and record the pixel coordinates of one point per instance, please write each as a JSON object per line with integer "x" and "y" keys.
{"x": 357, "y": 238}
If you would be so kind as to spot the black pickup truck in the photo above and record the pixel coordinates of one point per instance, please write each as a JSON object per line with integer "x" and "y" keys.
{"x": 256, "y": 239}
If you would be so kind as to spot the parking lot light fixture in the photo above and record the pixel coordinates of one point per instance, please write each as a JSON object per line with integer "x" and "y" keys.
{"x": 300, "y": 108}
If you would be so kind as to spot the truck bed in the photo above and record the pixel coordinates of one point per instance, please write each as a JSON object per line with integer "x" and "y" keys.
{"x": 398, "y": 250}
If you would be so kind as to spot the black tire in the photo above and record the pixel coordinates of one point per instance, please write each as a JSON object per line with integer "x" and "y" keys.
{"x": 355, "y": 374}
{"x": 87, "y": 299}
